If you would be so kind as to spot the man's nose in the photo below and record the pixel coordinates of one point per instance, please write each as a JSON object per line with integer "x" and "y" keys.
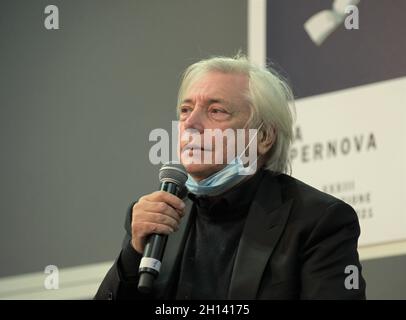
{"x": 195, "y": 120}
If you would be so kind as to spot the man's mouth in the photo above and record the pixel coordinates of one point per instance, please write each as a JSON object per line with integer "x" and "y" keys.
{"x": 193, "y": 147}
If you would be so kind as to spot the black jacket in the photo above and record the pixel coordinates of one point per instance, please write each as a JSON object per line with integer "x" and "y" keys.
{"x": 296, "y": 244}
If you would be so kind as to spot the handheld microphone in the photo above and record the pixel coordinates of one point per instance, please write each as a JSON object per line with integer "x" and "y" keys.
{"x": 172, "y": 178}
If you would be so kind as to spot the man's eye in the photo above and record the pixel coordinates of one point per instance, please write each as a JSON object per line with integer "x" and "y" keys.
{"x": 184, "y": 109}
{"x": 218, "y": 111}
{"x": 219, "y": 114}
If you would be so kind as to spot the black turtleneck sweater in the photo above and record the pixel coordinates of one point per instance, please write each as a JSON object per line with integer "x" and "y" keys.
{"x": 207, "y": 263}
{"x": 208, "y": 257}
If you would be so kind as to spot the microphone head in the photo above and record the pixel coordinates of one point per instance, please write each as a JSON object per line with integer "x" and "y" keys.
{"x": 173, "y": 172}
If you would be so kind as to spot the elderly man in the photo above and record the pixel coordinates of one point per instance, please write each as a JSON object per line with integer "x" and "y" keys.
{"x": 265, "y": 235}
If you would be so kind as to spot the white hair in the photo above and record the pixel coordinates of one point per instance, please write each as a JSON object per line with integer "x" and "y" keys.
{"x": 270, "y": 97}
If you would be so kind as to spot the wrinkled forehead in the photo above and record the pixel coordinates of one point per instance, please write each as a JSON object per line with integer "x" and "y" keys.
{"x": 213, "y": 82}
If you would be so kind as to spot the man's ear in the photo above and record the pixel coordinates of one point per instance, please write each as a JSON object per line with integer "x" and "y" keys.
{"x": 266, "y": 140}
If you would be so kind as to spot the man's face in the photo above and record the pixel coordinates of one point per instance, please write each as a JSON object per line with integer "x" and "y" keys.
{"x": 214, "y": 101}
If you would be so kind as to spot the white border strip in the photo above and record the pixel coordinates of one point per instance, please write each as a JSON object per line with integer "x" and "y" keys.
{"x": 257, "y": 31}
{"x": 383, "y": 250}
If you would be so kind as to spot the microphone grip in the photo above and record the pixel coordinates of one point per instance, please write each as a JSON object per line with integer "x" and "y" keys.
{"x": 153, "y": 252}
{"x": 151, "y": 262}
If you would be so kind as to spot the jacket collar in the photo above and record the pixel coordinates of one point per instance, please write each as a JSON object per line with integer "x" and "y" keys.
{"x": 265, "y": 223}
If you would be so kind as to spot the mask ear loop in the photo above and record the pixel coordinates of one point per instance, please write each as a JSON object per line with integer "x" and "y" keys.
{"x": 256, "y": 159}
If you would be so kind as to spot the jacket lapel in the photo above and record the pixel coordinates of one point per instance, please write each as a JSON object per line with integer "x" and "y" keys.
{"x": 172, "y": 254}
{"x": 265, "y": 223}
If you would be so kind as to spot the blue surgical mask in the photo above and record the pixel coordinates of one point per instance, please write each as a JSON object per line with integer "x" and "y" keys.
{"x": 223, "y": 180}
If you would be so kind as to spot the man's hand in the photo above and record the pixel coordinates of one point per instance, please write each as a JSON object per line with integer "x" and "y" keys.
{"x": 157, "y": 212}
